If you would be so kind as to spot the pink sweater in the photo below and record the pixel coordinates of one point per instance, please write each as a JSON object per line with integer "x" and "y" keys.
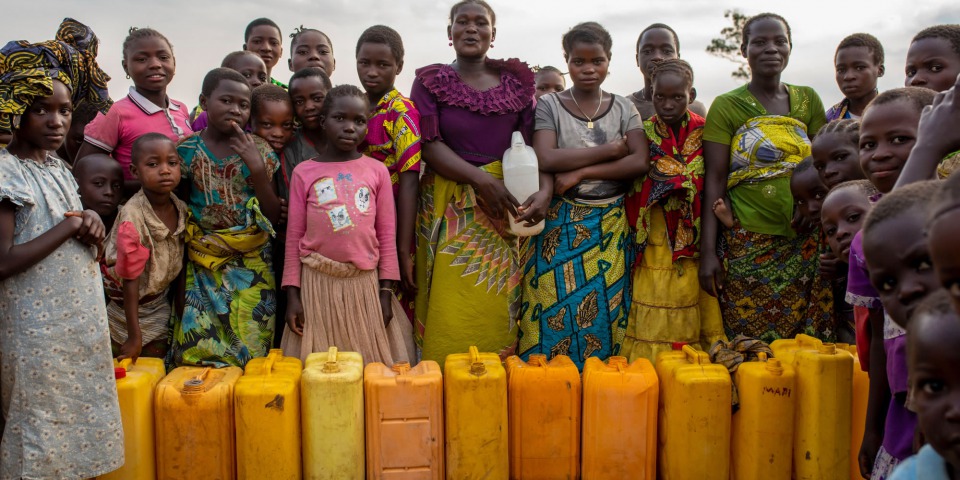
{"x": 345, "y": 212}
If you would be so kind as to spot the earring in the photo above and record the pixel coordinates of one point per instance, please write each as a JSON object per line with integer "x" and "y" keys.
{"x": 128, "y": 76}
{"x": 450, "y": 44}
{"x": 491, "y": 44}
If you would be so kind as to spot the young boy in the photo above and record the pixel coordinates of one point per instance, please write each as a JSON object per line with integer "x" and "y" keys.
{"x": 249, "y": 65}
{"x": 263, "y": 37}
{"x": 100, "y": 179}
{"x": 859, "y": 63}
{"x": 655, "y": 44}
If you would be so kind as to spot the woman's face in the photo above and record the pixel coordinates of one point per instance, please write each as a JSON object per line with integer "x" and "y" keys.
{"x": 768, "y": 47}
{"x": 471, "y": 31}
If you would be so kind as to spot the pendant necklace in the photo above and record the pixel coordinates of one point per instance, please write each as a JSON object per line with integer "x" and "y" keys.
{"x": 589, "y": 118}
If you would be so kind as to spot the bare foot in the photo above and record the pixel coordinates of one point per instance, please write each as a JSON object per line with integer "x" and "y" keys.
{"x": 723, "y": 213}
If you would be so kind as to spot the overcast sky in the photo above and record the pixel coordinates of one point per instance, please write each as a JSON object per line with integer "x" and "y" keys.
{"x": 203, "y": 31}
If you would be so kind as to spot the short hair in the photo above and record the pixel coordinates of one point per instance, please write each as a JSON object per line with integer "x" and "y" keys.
{"x": 587, "y": 32}
{"x": 918, "y": 97}
{"x": 948, "y": 32}
{"x": 900, "y": 201}
{"x": 312, "y": 72}
{"x": 947, "y": 198}
{"x": 341, "y": 91}
{"x": 214, "y": 77}
{"x": 142, "y": 140}
{"x": 298, "y": 32}
{"x": 863, "y": 40}
{"x": 80, "y": 165}
{"x": 482, "y": 3}
{"x": 84, "y": 113}
{"x": 936, "y": 304}
{"x": 384, "y": 35}
{"x": 845, "y": 126}
{"x": 267, "y": 92}
{"x": 745, "y": 32}
{"x": 136, "y": 33}
{"x": 676, "y": 66}
{"x": 863, "y": 186}
{"x": 804, "y": 165}
{"x": 655, "y": 26}
{"x": 230, "y": 61}
{"x": 259, "y": 23}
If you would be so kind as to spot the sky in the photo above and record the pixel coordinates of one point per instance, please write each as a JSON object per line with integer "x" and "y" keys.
{"x": 202, "y": 32}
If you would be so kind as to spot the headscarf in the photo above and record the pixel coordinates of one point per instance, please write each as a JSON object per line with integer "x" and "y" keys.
{"x": 27, "y": 71}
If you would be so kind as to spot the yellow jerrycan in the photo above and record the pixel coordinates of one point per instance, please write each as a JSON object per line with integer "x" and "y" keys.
{"x": 786, "y": 348}
{"x": 858, "y": 417}
{"x": 475, "y": 398}
{"x": 136, "y": 386}
{"x": 619, "y": 419}
{"x": 544, "y": 403}
{"x": 404, "y": 420}
{"x": 824, "y": 401}
{"x": 195, "y": 424}
{"x": 694, "y": 438}
{"x": 762, "y": 428}
{"x": 267, "y": 411}
{"x": 332, "y": 416}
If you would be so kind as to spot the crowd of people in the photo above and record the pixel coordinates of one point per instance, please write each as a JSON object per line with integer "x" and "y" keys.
{"x": 301, "y": 214}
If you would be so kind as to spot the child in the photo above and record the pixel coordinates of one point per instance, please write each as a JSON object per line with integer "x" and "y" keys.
{"x": 836, "y": 152}
{"x": 148, "y": 61}
{"x": 656, "y": 43}
{"x": 100, "y": 182}
{"x": 308, "y": 88}
{"x": 933, "y": 60}
{"x": 393, "y": 137}
{"x": 342, "y": 228}
{"x": 859, "y": 63}
{"x": 248, "y": 64}
{"x": 943, "y": 222}
{"x": 263, "y": 37}
{"x": 144, "y": 252}
{"x": 888, "y": 133}
{"x": 82, "y": 116}
{"x": 64, "y": 425}
{"x": 895, "y": 248}
{"x": 808, "y": 193}
{"x": 593, "y": 155}
{"x": 668, "y": 305}
{"x": 932, "y": 357}
{"x": 230, "y": 290}
{"x": 310, "y": 47}
{"x": 549, "y": 80}
{"x": 271, "y": 116}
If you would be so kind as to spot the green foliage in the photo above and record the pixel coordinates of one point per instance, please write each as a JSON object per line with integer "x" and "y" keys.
{"x": 727, "y": 46}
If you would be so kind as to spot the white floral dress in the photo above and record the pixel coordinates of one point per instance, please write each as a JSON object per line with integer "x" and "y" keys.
{"x": 56, "y": 372}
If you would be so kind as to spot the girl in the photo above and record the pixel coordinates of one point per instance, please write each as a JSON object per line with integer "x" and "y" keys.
{"x": 148, "y": 61}
{"x": 668, "y": 305}
{"x": 144, "y": 252}
{"x": 310, "y": 47}
{"x": 859, "y": 63}
{"x": 263, "y": 37}
{"x": 769, "y": 286}
{"x": 656, "y": 43}
{"x": 271, "y": 116}
{"x": 230, "y": 294}
{"x": 889, "y": 132}
{"x": 100, "y": 185}
{"x": 250, "y": 65}
{"x": 52, "y": 314}
{"x": 308, "y": 88}
{"x": 586, "y": 240}
{"x": 342, "y": 229}
{"x": 549, "y": 80}
{"x": 836, "y": 152}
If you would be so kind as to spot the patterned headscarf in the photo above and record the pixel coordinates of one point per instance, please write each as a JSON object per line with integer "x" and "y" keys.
{"x": 27, "y": 71}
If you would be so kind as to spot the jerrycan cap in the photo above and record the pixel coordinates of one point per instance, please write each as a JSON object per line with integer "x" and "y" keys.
{"x": 119, "y": 372}
{"x": 516, "y": 140}
{"x": 677, "y": 345}
{"x": 828, "y": 349}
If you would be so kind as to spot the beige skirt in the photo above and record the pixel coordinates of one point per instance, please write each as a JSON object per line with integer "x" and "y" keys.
{"x": 341, "y": 308}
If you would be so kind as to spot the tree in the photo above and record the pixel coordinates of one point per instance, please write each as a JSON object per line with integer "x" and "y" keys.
{"x": 728, "y": 44}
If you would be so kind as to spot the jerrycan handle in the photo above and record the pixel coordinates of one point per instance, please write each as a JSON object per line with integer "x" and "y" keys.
{"x": 272, "y": 358}
{"x": 125, "y": 364}
{"x": 538, "y": 360}
{"x": 195, "y": 384}
{"x": 695, "y": 356}
{"x": 806, "y": 341}
{"x": 476, "y": 365}
{"x": 332, "y": 365}
{"x": 620, "y": 363}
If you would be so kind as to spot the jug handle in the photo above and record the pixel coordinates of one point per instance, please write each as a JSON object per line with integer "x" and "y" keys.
{"x": 805, "y": 340}
{"x": 695, "y": 356}
{"x": 268, "y": 364}
{"x": 619, "y": 362}
{"x": 476, "y": 365}
{"x": 538, "y": 360}
{"x": 331, "y": 365}
{"x": 125, "y": 363}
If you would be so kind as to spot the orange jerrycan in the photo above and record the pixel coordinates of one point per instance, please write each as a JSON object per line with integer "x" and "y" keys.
{"x": 267, "y": 411}
{"x": 695, "y": 433}
{"x": 195, "y": 424}
{"x": 136, "y": 385}
{"x": 762, "y": 429}
{"x": 544, "y": 403}
{"x": 619, "y": 419}
{"x": 475, "y": 396}
{"x": 332, "y": 393}
{"x": 824, "y": 402}
{"x": 858, "y": 417}
{"x": 404, "y": 419}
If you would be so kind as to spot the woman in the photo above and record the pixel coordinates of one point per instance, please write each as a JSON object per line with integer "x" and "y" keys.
{"x": 753, "y": 138}
{"x": 466, "y": 264}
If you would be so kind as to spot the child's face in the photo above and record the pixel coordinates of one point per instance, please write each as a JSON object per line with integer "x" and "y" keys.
{"x": 150, "y": 64}
{"x": 808, "y": 194}
{"x": 942, "y": 236}
{"x": 887, "y": 134}
{"x": 100, "y": 182}
{"x": 549, "y": 82}
{"x": 932, "y": 359}
{"x": 656, "y": 45}
{"x": 856, "y": 72}
{"x": 377, "y": 68}
{"x": 899, "y": 263}
{"x": 265, "y": 41}
{"x": 345, "y": 124}
{"x": 307, "y": 95}
{"x": 836, "y": 157}
{"x": 44, "y": 125}
{"x": 768, "y": 48}
{"x": 157, "y": 166}
{"x": 312, "y": 50}
{"x": 274, "y": 123}
{"x": 228, "y": 104}
{"x": 842, "y": 216}
{"x": 587, "y": 64}
{"x": 671, "y": 95}
{"x": 252, "y": 68}
{"x": 932, "y": 63}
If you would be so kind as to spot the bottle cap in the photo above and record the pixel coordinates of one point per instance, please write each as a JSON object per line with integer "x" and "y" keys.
{"x": 119, "y": 372}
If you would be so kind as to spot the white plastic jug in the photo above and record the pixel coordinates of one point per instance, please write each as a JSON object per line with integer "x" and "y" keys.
{"x": 521, "y": 176}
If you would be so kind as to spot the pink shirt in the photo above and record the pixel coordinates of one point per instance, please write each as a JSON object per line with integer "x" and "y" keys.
{"x": 131, "y": 117}
{"x": 345, "y": 212}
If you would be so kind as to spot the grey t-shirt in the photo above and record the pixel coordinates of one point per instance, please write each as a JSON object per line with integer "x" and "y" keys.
{"x": 572, "y": 132}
